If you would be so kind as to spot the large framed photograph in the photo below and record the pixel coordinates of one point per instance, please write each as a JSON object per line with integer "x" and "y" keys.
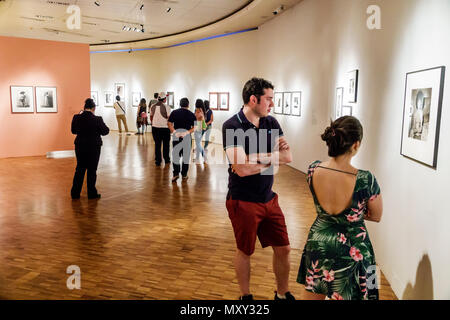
{"x": 136, "y": 98}
{"x": 213, "y": 100}
{"x": 171, "y": 99}
{"x": 224, "y": 98}
{"x": 278, "y": 103}
{"x": 287, "y": 96}
{"x": 109, "y": 99}
{"x": 296, "y": 103}
{"x": 422, "y": 115}
{"x": 46, "y": 100}
{"x": 22, "y": 99}
{"x": 353, "y": 85}
{"x": 119, "y": 90}
{"x": 338, "y": 103}
{"x": 94, "y": 96}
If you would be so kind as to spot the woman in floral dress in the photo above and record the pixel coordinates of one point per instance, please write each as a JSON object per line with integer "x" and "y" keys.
{"x": 338, "y": 260}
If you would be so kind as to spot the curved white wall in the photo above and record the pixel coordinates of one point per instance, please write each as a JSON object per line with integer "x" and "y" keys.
{"x": 311, "y": 47}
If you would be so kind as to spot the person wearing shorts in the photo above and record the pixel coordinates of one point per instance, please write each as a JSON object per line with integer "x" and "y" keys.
{"x": 255, "y": 147}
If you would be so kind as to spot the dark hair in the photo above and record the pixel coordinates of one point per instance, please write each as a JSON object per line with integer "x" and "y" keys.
{"x": 255, "y": 87}
{"x": 143, "y": 102}
{"x": 89, "y": 104}
{"x": 118, "y": 98}
{"x": 342, "y": 134}
{"x": 200, "y": 105}
{"x": 155, "y": 95}
{"x": 206, "y": 102}
{"x": 184, "y": 102}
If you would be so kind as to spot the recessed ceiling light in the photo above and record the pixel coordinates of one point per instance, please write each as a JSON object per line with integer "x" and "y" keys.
{"x": 97, "y": 3}
{"x": 168, "y": 9}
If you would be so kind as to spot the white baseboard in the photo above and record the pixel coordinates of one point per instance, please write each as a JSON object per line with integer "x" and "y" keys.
{"x": 61, "y": 154}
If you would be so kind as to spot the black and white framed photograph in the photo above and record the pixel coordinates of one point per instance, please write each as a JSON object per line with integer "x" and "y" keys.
{"x": 278, "y": 103}
{"x": 109, "y": 98}
{"x": 347, "y": 111}
{"x": 213, "y": 100}
{"x": 136, "y": 98}
{"x": 422, "y": 115}
{"x": 22, "y": 99}
{"x": 46, "y": 100}
{"x": 224, "y": 98}
{"x": 296, "y": 103}
{"x": 119, "y": 90}
{"x": 338, "y": 103}
{"x": 353, "y": 85}
{"x": 171, "y": 99}
{"x": 94, "y": 96}
{"x": 287, "y": 98}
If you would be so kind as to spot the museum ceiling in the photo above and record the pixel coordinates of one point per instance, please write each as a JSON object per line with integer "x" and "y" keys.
{"x": 125, "y": 24}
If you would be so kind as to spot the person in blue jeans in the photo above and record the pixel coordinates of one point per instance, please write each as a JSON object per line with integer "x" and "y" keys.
{"x": 199, "y": 127}
{"x": 209, "y": 118}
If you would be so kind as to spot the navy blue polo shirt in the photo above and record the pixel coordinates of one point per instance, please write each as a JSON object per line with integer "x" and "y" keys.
{"x": 242, "y": 133}
{"x": 182, "y": 118}
{"x": 208, "y": 115}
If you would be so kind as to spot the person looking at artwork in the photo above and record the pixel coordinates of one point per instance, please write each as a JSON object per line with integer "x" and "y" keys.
{"x": 153, "y": 101}
{"x": 181, "y": 124}
{"x": 251, "y": 204}
{"x": 159, "y": 114}
{"x": 209, "y": 118}
{"x": 338, "y": 260}
{"x": 89, "y": 129}
{"x": 119, "y": 107}
{"x": 141, "y": 117}
{"x": 200, "y": 125}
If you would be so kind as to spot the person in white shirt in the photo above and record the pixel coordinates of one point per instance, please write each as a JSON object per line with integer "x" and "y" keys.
{"x": 119, "y": 107}
{"x": 159, "y": 113}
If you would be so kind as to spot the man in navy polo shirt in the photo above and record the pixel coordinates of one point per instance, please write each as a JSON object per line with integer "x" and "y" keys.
{"x": 254, "y": 144}
{"x": 181, "y": 124}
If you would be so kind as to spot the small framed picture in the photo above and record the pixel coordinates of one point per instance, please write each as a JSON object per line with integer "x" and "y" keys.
{"x": 224, "y": 98}
{"x": 119, "y": 90}
{"x": 338, "y": 103}
{"x": 347, "y": 111}
{"x": 424, "y": 91}
{"x": 287, "y": 100}
{"x": 22, "y": 99}
{"x": 213, "y": 100}
{"x": 171, "y": 100}
{"x": 46, "y": 100}
{"x": 278, "y": 103}
{"x": 353, "y": 86}
{"x": 109, "y": 99}
{"x": 296, "y": 103}
{"x": 136, "y": 98}
{"x": 94, "y": 96}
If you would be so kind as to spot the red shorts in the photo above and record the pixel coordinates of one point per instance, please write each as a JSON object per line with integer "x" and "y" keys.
{"x": 251, "y": 219}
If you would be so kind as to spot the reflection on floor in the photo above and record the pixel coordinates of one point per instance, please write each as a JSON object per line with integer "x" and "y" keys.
{"x": 145, "y": 239}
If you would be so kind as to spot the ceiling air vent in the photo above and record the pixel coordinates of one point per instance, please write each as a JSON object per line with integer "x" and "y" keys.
{"x": 58, "y": 3}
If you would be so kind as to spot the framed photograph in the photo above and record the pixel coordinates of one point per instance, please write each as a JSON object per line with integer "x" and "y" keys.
{"x": 278, "y": 103}
{"x": 109, "y": 99}
{"x": 347, "y": 111}
{"x": 22, "y": 99}
{"x": 338, "y": 103}
{"x": 46, "y": 100}
{"x": 224, "y": 98}
{"x": 119, "y": 90}
{"x": 213, "y": 100}
{"x": 136, "y": 98}
{"x": 352, "y": 86}
{"x": 422, "y": 115}
{"x": 296, "y": 103}
{"x": 94, "y": 96}
{"x": 287, "y": 98}
{"x": 171, "y": 100}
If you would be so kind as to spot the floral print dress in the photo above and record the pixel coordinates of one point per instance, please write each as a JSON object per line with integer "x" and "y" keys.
{"x": 338, "y": 259}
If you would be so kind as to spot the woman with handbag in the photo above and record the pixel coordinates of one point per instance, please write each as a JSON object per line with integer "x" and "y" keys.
{"x": 141, "y": 121}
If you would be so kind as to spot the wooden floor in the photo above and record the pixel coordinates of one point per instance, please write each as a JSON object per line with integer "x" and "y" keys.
{"x": 146, "y": 238}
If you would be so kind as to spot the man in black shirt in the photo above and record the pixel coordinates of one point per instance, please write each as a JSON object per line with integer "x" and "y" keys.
{"x": 88, "y": 143}
{"x": 181, "y": 124}
{"x": 254, "y": 144}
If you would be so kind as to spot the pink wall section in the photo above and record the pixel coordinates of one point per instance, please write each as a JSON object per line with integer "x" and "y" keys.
{"x": 28, "y": 62}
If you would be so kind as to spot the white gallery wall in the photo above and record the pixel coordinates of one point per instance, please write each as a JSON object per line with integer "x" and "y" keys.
{"x": 311, "y": 48}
